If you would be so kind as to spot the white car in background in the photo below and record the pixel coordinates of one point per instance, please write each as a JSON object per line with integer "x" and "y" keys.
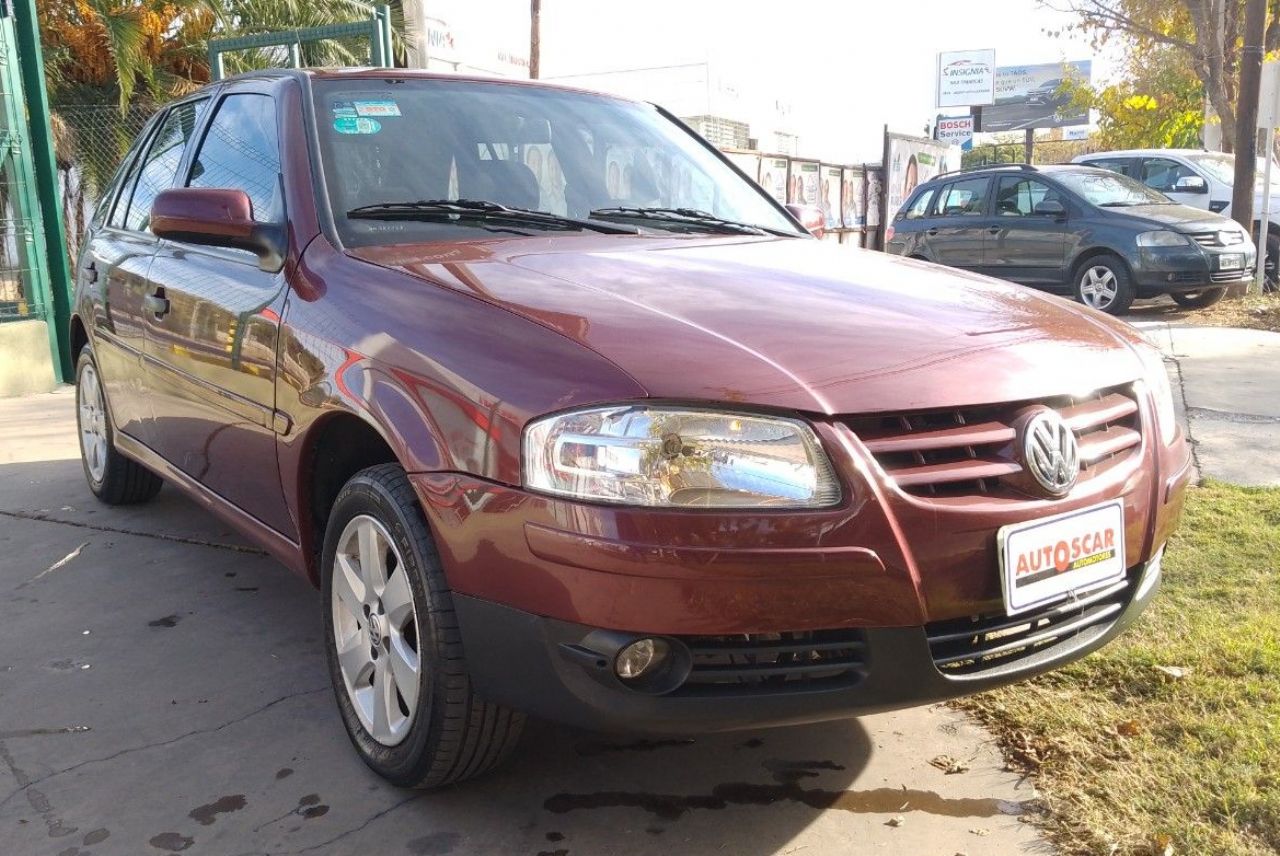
{"x": 1200, "y": 179}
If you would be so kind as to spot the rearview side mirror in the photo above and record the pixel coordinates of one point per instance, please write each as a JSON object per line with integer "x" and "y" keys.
{"x": 1190, "y": 184}
{"x": 217, "y": 217}
{"x": 1049, "y": 208}
{"x": 810, "y": 216}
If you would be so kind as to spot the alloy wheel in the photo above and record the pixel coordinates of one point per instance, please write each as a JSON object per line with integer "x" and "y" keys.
{"x": 1099, "y": 287}
{"x": 93, "y": 423}
{"x": 375, "y": 628}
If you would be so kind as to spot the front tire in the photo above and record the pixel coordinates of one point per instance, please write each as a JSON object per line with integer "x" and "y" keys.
{"x": 1103, "y": 282}
{"x": 1198, "y": 299}
{"x": 394, "y": 648}
{"x": 113, "y": 478}
{"x": 1271, "y": 273}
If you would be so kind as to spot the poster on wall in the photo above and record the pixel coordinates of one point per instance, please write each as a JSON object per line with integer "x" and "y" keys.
{"x": 748, "y": 162}
{"x": 829, "y": 196}
{"x": 802, "y": 183}
{"x": 853, "y": 200}
{"x": 874, "y": 202}
{"x": 910, "y": 161}
{"x": 773, "y": 177}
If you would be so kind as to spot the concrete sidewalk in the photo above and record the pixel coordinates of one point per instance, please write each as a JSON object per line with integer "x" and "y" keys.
{"x": 163, "y": 689}
{"x": 1229, "y": 380}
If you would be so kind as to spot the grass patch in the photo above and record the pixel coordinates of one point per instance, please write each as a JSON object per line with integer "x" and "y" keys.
{"x": 1133, "y": 758}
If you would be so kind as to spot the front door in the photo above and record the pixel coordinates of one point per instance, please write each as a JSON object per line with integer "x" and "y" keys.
{"x": 956, "y": 232}
{"x": 213, "y": 348}
{"x": 118, "y": 259}
{"x": 1027, "y": 241}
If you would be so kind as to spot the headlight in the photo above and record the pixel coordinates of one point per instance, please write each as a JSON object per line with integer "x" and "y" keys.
{"x": 1156, "y": 378}
{"x": 675, "y": 457}
{"x": 1162, "y": 238}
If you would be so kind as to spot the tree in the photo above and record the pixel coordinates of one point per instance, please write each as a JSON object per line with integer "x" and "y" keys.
{"x": 1206, "y": 34}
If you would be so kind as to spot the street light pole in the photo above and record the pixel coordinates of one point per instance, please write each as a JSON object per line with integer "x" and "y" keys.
{"x": 535, "y": 39}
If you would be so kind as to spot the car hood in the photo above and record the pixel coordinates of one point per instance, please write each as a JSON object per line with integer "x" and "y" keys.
{"x": 785, "y": 322}
{"x": 1182, "y": 218}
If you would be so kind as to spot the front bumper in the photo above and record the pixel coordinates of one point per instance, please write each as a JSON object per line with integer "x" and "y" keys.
{"x": 549, "y": 668}
{"x": 1161, "y": 270}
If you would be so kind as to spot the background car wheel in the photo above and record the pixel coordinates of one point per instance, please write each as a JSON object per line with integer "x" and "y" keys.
{"x": 1103, "y": 282}
{"x": 1271, "y": 278}
{"x": 1198, "y": 299}
{"x": 112, "y": 477}
{"x": 394, "y": 649}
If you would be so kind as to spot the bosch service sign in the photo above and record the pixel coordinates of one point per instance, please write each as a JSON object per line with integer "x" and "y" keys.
{"x": 966, "y": 78}
{"x": 955, "y": 131}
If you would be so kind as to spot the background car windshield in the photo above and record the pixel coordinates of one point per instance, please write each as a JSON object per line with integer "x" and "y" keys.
{"x": 1110, "y": 189}
{"x": 568, "y": 153}
{"x": 1222, "y": 167}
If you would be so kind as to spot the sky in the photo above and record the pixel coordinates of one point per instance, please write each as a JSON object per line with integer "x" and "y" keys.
{"x": 842, "y": 69}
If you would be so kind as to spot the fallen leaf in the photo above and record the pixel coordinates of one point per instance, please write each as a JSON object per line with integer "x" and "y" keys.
{"x": 949, "y": 765}
{"x": 1162, "y": 844}
{"x": 1176, "y": 673}
{"x": 980, "y": 832}
{"x": 1129, "y": 728}
{"x": 896, "y": 821}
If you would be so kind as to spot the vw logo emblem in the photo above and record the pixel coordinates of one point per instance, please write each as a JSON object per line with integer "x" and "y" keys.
{"x": 1050, "y": 452}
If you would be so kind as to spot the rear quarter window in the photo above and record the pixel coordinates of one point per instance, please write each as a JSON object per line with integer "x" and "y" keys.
{"x": 918, "y": 206}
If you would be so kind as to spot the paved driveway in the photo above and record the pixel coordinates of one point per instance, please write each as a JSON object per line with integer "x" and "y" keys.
{"x": 162, "y": 689}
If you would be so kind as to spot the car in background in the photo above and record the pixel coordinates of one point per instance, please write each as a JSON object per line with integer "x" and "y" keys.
{"x": 1200, "y": 179}
{"x": 1103, "y": 238}
{"x": 1049, "y": 93}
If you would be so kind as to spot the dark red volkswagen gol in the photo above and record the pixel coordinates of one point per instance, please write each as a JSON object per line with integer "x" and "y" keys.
{"x": 566, "y": 417}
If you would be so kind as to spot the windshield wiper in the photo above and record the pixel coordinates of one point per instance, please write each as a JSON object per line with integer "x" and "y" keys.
{"x": 476, "y": 209}
{"x": 1121, "y": 204}
{"x": 685, "y": 217}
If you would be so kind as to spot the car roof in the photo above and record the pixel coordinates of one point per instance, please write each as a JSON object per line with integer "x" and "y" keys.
{"x": 374, "y": 73}
{"x": 1131, "y": 153}
{"x": 1048, "y": 169}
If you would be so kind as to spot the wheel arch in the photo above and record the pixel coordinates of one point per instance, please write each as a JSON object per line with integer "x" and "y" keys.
{"x": 79, "y": 337}
{"x": 1087, "y": 255}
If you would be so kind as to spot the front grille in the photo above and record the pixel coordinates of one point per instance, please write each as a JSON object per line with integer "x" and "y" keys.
{"x": 973, "y": 450}
{"x": 1227, "y": 238}
{"x": 773, "y": 662}
{"x": 966, "y": 646}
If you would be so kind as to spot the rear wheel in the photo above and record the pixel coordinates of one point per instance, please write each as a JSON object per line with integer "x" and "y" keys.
{"x": 1103, "y": 283}
{"x": 1271, "y": 275}
{"x": 1198, "y": 299}
{"x": 113, "y": 478}
{"x": 394, "y": 648}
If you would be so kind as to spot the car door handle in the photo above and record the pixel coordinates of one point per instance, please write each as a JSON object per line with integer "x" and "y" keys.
{"x": 931, "y": 232}
{"x": 157, "y": 303}
{"x": 91, "y": 273}
{"x": 994, "y": 230}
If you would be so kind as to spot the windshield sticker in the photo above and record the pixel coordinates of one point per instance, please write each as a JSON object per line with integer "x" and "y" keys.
{"x": 356, "y": 125}
{"x": 343, "y": 108}
{"x": 377, "y": 108}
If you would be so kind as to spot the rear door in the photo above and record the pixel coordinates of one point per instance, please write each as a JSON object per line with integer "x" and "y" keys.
{"x": 1025, "y": 244}
{"x": 118, "y": 258}
{"x": 957, "y": 230}
{"x": 213, "y": 350}
{"x": 1162, "y": 174}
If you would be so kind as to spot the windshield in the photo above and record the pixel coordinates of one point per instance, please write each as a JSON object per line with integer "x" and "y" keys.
{"x": 562, "y": 152}
{"x": 1222, "y": 167}
{"x": 1110, "y": 189}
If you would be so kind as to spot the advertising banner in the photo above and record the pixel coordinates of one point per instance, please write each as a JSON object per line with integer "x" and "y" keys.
{"x": 829, "y": 196}
{"x": 955, "y": 131}
{"x": 910, "y": 161}
{"x": 873, "y": 204}
{"x": 966, "y": 78}
{"x": 773, "y": 177}
{"x": 1028, "y": 96}
{"x": 853, "y": 206}
{"x": 802, "y": 183}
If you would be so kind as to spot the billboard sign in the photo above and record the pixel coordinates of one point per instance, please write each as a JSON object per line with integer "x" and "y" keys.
{"x": 829, "y": 196}
{"x": 966, "y": 78}
{"x": 773, "y": 177}
{"x": 803, "y": 183}
{"x": 1030, "y": 96}
{"x": 853, "y": 198}
{"x": 955, "y": 131}
{"x": 911, "y": 161}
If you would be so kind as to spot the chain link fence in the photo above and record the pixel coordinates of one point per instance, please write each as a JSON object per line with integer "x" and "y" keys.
{"x": 91, "y": 140}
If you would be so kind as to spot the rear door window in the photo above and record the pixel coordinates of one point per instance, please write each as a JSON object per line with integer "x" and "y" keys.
{"x": 1018, "y": 197}
{"x": 1120, "y": 165}
{"x": 966, "y": 198}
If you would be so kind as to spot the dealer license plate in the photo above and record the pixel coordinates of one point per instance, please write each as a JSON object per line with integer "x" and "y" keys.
{"x": 1230, "y": 261}
{"x": 1048, "y": 559}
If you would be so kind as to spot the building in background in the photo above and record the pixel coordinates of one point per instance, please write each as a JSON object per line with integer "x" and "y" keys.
{"x": 490, "y": 38}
